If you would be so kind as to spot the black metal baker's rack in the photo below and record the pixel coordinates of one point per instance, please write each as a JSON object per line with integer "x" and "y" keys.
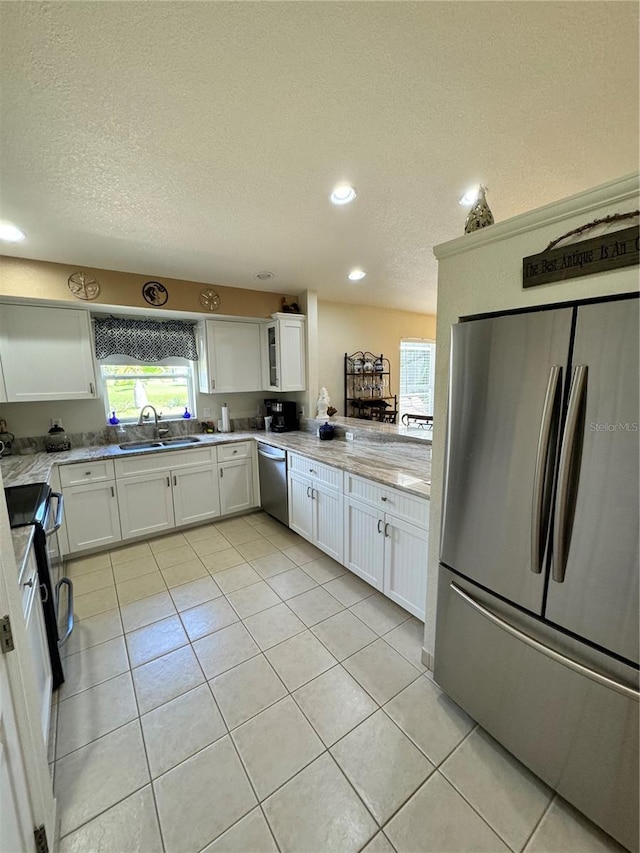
{"x": 367, "y": 388}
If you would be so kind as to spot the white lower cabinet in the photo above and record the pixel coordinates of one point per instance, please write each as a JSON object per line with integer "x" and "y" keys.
{"x": 405, "y": 565}
{"x": 386, "y": 540}
{"x": 146, "y": 504}
{"x": 195, "y": 494}
{"x": 235, "y": 479}
{"x": 363, "y": 548}
{"x": 315, "y": 512}
{"x": 37, "y": 640}
{"x": 91, "y": 513}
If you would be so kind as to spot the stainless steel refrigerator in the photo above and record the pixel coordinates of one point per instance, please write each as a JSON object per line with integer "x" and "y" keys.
{"x": 538, "y": 628}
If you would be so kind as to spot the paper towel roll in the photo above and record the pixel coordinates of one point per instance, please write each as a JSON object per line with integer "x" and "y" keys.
{"x": 226, "y": 423}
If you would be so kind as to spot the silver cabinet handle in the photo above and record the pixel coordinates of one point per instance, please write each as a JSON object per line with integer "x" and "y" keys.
{"x": 87, "y": 473}
{"x": 113, "y": 492}
{"x": 308, "y": 491}
{"x": 313, "y": 494}
{"x": 312, "y": 471}
{"x": 168, "y": 482}
{"x": 175, "y": 480}
{"x": 44, "y": 593}
{"x": 235, "y": 451}
{"x": 386, "y": 527}
{"x": 28, "y": 583}
{"x": 384, "y": 499}
{"x": 91, "y": 391}
{"x": 276, "y": 382}
{"x": 213, "y": 384}
{"x": 541, "y": 478}
{"x": 379, "y": 523}
{"x": 566, "y": 471}
{"x": 629, "y": 692}
{"x": 222, "y": 472}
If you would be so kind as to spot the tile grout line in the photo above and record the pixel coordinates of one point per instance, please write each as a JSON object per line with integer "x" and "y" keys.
{"x": 552, "y": 799}
{"x": 261, "y": 652}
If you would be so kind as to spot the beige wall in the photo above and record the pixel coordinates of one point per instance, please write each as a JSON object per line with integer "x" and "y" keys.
{"x": 26, "y": 279}
{"x": 348, "y": 328}
{"x": 482, "y": 272}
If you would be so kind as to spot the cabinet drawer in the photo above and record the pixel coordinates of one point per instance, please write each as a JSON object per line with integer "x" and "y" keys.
{"x": 399, "y": 504}
{"x": 86, "y": 472}
{"x": 239, "y": 450}
{"x": 331, "y": 477}
{"x": 162, "y": 461}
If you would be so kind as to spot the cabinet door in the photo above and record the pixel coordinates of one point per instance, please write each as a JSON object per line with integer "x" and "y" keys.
{"x": 91, "y": 515}
{"x": 236, "y": 485}
{"x": 195, "y": 494}
{"x": 46, "y": 353}
{"x": 233, "y": 351}
{"x": 405, "y": 565}
{"x": 328, "y": 521}
{"x": 271, "y": 357}
{"x": 146, "y": 504}
{"x": 300, "y": 505}
{"x": 364, "y": 542}
{"x": 291, "y": 352}
{"x": 39, "y": 650}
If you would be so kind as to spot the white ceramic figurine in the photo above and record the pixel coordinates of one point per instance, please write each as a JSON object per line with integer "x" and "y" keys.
{"x": 324, "y": 402}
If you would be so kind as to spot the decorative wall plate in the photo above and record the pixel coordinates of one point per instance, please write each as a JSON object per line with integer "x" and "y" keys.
{"x": 155, "y": 293}
{"x": 83, "y": 285}
{"x": 209, "y": 299}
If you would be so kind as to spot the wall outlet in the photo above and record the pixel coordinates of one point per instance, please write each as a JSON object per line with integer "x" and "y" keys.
{"x": 206, "y": 412}
{"x": 348, "y": 436}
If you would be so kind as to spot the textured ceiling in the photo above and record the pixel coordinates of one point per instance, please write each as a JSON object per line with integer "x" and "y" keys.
{"x": 200, "y": 140}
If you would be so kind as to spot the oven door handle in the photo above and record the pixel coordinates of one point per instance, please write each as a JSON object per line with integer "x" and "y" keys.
{"x": 59, "y": 512}
{"x": 66, "y": 582}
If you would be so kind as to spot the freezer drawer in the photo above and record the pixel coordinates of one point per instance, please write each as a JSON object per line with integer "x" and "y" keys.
{"x": 578, "y": 735}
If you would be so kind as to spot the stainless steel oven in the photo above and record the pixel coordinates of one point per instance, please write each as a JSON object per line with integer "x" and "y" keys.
{"x": 36, "y": 504}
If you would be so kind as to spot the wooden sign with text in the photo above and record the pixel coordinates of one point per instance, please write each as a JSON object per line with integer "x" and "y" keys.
{"x": 608, "y": 252}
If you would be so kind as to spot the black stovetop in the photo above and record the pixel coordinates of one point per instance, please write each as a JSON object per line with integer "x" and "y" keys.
{"x": 27, "y": 504}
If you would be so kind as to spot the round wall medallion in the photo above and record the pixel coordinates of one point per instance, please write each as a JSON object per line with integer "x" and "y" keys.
{"x": 209, "y": 299}
{"x": 83, "y": 285}
{"x": 155, "y": 293}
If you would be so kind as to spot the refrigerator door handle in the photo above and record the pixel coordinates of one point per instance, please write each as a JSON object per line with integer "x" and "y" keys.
{"x": 542, "y": 457}
{"x": 592, "y": 674}
{"x": 565, "y": 472}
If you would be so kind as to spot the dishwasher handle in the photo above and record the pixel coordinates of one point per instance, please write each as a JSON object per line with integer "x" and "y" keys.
{"x": 277, "y": 455}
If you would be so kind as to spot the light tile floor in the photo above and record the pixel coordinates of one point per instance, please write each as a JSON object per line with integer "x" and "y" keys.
{"x": 231, "y": 688}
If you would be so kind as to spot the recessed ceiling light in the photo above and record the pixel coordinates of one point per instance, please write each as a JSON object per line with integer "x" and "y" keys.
{"x": 471, "y": 196}
{"x": 265, "y": 275}
{"x": 356, "y": 275}
{"x": 11, "y": 233}
{"x": 343, "y": 194}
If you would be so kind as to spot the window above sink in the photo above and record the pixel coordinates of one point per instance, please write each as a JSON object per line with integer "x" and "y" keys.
{"x": 167, "y": 386}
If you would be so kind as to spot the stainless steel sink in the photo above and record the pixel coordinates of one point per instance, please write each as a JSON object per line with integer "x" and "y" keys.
{"x": 180, "y": 439}
{"x": 139, "y": 445}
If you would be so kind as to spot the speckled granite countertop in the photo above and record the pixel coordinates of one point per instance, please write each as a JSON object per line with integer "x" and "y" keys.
{"x": 401, "y": 465}
{"x": 22, "y": 541}
{"x": 405, "y": 466}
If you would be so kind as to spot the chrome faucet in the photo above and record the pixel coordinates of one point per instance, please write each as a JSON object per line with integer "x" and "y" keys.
{"x": 155, "y": 418}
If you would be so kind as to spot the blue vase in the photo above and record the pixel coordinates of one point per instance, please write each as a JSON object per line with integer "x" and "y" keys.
{"x": 187, "y": 413}
{"x": 113, "y": 419}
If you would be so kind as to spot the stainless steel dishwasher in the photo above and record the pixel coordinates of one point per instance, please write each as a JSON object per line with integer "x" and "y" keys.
{"x": 272, "y": 465}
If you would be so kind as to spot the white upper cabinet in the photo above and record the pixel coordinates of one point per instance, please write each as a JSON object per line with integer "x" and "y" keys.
{"x": 46, "y": 353}
{"x": 229, "y": 356}
{"x": 283, "y": 352}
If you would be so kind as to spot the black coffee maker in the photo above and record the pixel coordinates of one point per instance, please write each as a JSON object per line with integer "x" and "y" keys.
{"x": 284, "y": 415}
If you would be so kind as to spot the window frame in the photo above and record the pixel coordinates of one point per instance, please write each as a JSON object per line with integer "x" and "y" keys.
{"x": 128, "y": 361}
{"x": 426, "y": 341}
